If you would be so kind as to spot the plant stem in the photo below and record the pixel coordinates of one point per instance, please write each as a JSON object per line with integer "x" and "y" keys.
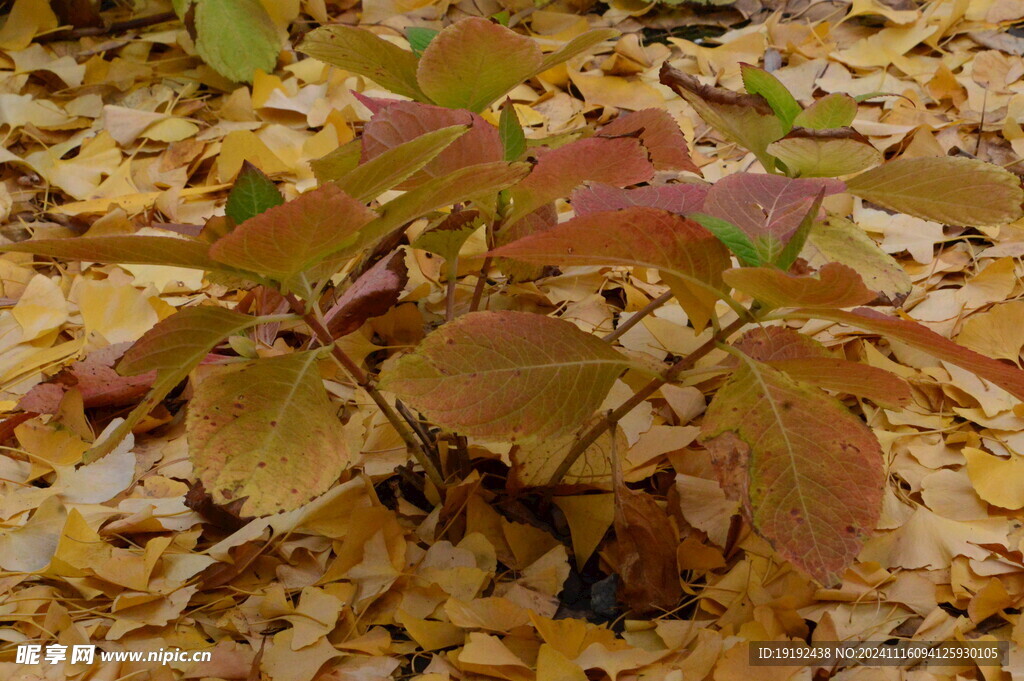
{"x": 639, "y": 315}
{"x": 363, "y": 381}
{"x": 478, "y": 290}
{"x": 615, "y": 415}
{"x": 449, "y": 298}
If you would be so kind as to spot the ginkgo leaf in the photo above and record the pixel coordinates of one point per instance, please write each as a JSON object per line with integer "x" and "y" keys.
{"x": 265, "y": 431}
{"x": 825, "y": 153}
{"x": 659, "y": 134}
{"x": 760, "y": 82}
{"x": 236, "y": 37}
{"x": 360, "y": 51}
{"x": 689, "y": 257}
{"x": 682, "y": 198}
{"x": 808, "y": 473}
{"x": 834, "y": 286}
{"x": 997, "y": 333}
{"x": 393, "y": 166}
{"x": 506, "y": 375}
{"x": 172, "y": 348}
{"x": 747, "y": 120}
{"x": 765, "y": 205}
{"x": 943, "y": 189}
{"x": 575, "y": 47}
{"x": 400, "y": 122}
{"x": 1006, "y": 376}
{"x": 252, "y": 194}
{"x": 472, "y": 62}
{"x": 618, "y": 162}
{"x": 535, "y": 462}
{"x": 836, "y": 110}
{"x": 290, "y": 238}
{"x": 842, "y": 241}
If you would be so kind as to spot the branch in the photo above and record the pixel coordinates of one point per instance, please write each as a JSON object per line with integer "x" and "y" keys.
{"x": 116, "y": 27}
{"x": 639, "y": 315}
{"x": 613, "y": 417}
{"x": 363, "y": 381}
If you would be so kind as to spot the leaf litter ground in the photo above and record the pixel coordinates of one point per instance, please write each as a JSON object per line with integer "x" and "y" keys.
{"x": 131, "y": 133}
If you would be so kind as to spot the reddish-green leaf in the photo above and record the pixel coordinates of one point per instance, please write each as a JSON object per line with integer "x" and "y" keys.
{"x": 769, "y": 343}
{"x": 506, "y": 375}
{"x": 808, "y": 472}
{"x": 878, "y": 385}
{"x": 172, "y": 348}
{"x": 956, "y": 191}
{"x": 1006, "y": 376}
{"x": 660, "y": 135}
{"x": 292, "y": 237}
{"x": 619, "y": 162}
{"x": 127, "y": 250}
{"x": 266, "y": 432}
{"x": 362, "y": 52}
{"x": 371, "y": 295}
{"x": 834, "y": 286}
{"x": 680, "y": 198}
{"x": 400, "y": 122}
{"x": 471, "y": 63}
{"x": 747, "y": 120}
{"x": 765, "y": 205}
{"x": 391, "y": 167}
{"x": 689, "y": 257}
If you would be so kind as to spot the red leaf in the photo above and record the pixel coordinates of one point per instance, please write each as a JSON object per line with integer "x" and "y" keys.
{"x": 660, "y": 134}
{"x": 674, "y": 198}
{"x": 371, "y": 295}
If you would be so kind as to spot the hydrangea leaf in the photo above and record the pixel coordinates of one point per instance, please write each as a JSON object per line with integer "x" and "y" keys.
{"x": 473, "y": 62}
{"x": 659, "y": 134}
{"x": 840, "y": 240}
{"x": 943, "y": 189}
{"x": 265, "y": 431}
{"x": 836, "y": 110}
{"x": 808, "y": 473}
{"x": 682, "y": 198}
{"x": 236, "y": 37}
{"x": 757, "y": 81}
{"x": 506, "y": 375}
{"x": 252, "y": 194}
{"x": 825, "y": 153}
{"x": 834, "y": 286}
{"x": 689, "y": 257}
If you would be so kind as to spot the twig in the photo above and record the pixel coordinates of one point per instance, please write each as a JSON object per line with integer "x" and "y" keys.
{"x": 478, "y": 290}
{"x": 116, "y": 27}
{"x": 452, "y": 269}
{"x": 635, "y": 319}
{"x": 363, "y": 381}
{"x": 614, "y": 416}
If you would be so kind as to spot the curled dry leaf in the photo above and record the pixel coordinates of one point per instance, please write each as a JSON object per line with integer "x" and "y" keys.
{"x": 372, "y": 294}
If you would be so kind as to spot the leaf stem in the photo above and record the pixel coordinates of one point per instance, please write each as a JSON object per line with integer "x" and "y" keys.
{"x": 639, "y": 315}
{"x": 478, "y": 290}
{"x": 363, "y": 381}
{"x": 614, "y": 416}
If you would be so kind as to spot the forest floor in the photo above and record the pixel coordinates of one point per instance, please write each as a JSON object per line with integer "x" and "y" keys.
{"x": 128, "y": 131}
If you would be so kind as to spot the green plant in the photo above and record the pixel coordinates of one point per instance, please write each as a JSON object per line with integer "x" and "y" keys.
{"x": 808, "y": 471}
{"x": 235, "y": 37}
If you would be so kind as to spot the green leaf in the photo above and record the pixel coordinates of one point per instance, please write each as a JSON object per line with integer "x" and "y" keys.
{"x": 287, "y": 239}
{"x": 842, "y": 241}
{"x": 809, "y": 474}
{"x": 172, "y": 348}
{"x": 747, "y": 120}
{"x": 128, "y": 250}
{"x": 956, "y": 191}
{"x": 730, "y": 235}
{"x": 236, "y": 37}
{"x": 369, "y": 180}
{"x": 419, "y": 38}
{"x": 1007, "y": 377}
{"x": 835, "y": 286}
{"x": 506, "y": 375}
{"x": 575, "y": 47}
{"x": 473, "y": 62}
{"x": 832, "y": 111}
{"x": 760, "y": 82}
{"x": 252, "y": 194}
{"x": 825, "y": 153}
{"x": 359, "y": 51}
{"x": 513, "y": 141}
{"x": 338, "y": 163}
{"x": 446, "y": 239}
{"x": 265, "y": 431}
{"x": 689, "y": 257}
{"x": 795, "y": 245}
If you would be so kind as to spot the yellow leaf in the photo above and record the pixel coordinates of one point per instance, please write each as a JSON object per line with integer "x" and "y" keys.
{"x": 998, "y": 481}
{"x": 589, "y": 517}
{"x": 28, "y": 18}
{"x": 240, "y": 146}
